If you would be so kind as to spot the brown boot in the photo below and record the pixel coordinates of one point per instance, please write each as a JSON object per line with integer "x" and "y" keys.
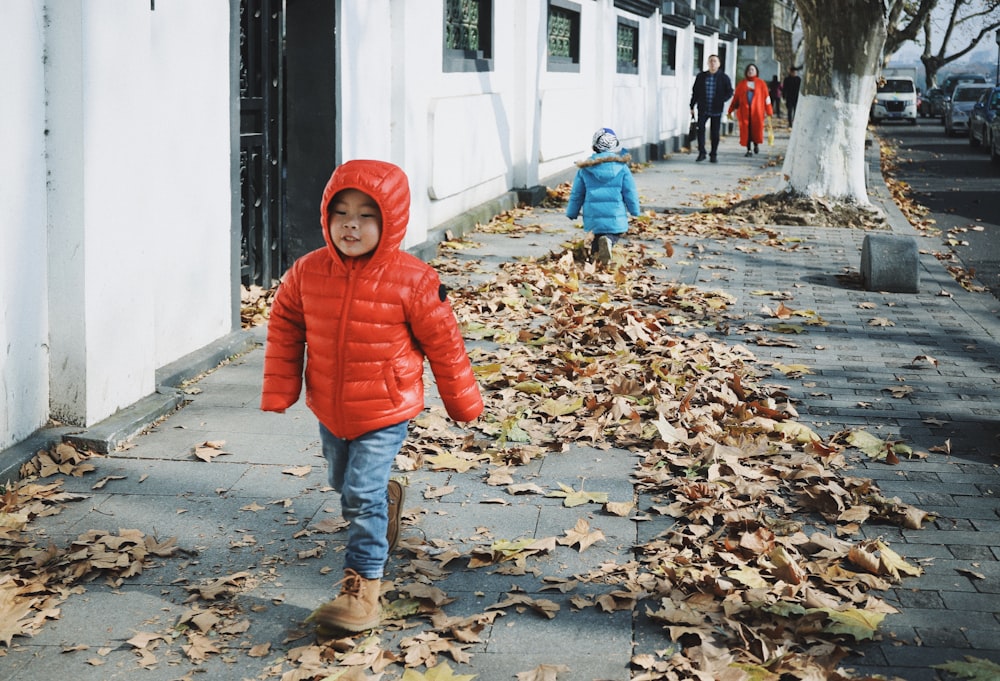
{"x": 396, "y": 495}
{"x": 356, "y": 609}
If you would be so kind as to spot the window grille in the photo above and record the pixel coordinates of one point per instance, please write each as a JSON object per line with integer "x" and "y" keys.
{"x": 668, "y": 54}
{"x": 563, "y": 36}
{"x": 628, "y": 46}
{"x": 468, "y": 35}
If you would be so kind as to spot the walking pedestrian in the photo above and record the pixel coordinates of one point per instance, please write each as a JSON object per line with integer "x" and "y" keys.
{"x": 367, "y": 314}
{"x": 712, "y": 89}
{"x": 774, "y": 89}
{"x": 752, "y": 103}
{"x": 790, "y": 91}
{"x": 605, "y": 191}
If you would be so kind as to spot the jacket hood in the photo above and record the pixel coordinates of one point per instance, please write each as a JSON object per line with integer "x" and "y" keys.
{"x": 605, "y": 157}
{"x": 387, "y": 184}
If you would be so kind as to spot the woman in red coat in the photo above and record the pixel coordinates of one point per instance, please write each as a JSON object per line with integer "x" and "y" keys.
{"x": 751, "y": 102}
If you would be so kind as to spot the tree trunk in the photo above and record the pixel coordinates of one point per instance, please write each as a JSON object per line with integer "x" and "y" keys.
{"x": 843, "y": 48}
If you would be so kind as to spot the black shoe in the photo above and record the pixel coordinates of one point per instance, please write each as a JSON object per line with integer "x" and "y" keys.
{"x": 749, "y": 153}
{"x": 701, "y": 157}
{"x": 714, "y": 158}
{"x": 756, "y": 149}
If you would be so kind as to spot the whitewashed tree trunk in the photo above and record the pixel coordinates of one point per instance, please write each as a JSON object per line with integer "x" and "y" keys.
{"x": 843, "y": 48}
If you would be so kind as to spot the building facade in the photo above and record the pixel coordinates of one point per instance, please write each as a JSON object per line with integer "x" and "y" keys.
{"x": 160, "y": 153}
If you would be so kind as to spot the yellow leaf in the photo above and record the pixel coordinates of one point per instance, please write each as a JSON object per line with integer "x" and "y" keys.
{"x": 572, "y": 497}
{"x": 867, "y": 443}
{"x": 796, "y": 432}
{"x": 894, "y": 563}
{"x": 441, "y": 672}
{"x": 789, "y": 369}
{"x": 448, "y": 461}
{"x": 561, "y": 407}
{"x": 748, "y": 576}
{"x": 532, "y": 388}
{"x": 861, "y": 624}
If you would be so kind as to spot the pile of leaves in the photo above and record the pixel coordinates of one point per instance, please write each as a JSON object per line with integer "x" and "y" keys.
{"x": 35, "y": 579}
{"x": 901, "y": 192}
{"x": 615, "y": 358}
{"x": 786, "y": 208}
{"x": 255, "y": 305}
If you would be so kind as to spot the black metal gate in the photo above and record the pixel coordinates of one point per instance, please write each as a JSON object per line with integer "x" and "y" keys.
{"x": 261, "y": 154}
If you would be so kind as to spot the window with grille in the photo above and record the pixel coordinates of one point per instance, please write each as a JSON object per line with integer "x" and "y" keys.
{"x": 563, "y": 36}
{"x": 628, "y": 46}
{"x": 668, "y": 54}
{"x": 468, "y": 35}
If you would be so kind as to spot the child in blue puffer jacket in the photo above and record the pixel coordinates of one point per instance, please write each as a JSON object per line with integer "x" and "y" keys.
{"x": 605, "y": 189}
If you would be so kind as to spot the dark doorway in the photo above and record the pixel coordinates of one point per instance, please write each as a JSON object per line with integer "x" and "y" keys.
{"x": 310, "y": 118}
{"x": 260, "y": 141}
{"x": 287, "y": 130}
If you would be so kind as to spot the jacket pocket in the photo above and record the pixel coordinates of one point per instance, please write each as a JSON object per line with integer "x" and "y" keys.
{"x": 391, "y": 384}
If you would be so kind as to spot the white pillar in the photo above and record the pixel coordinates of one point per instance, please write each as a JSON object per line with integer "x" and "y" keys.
{"x": 101, "y": 316}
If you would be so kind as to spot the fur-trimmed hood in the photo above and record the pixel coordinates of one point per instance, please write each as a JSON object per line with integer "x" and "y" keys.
{"x": 605, "y": 157}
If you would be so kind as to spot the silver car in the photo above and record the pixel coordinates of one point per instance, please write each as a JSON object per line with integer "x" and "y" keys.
{"x": 956, "y": 116}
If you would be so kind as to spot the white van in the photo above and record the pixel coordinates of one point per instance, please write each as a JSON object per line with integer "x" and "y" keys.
{"x": 895, "y": 100}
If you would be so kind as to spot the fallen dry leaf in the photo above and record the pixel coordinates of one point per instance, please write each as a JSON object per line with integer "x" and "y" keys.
{"x": 581, "y": 535}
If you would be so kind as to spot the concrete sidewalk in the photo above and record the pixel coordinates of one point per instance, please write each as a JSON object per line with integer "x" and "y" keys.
{"x": 243, "y": 515}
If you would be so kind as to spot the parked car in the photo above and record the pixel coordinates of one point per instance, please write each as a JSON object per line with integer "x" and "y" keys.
{"x": 932, "y": 104}
{"x": 956, "y": 117}
{"x": 995, "y": 140}
{"x": 983, "y": 112}
{"x": 951, "y": 82}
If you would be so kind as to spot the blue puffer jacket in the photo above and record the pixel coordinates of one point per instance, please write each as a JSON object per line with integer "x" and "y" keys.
{"x": 605, "y": 189}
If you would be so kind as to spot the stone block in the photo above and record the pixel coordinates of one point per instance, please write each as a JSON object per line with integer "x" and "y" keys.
{"x": 890, "y": 262}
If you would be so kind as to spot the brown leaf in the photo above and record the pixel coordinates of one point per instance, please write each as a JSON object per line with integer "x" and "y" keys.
{"x": 520, "y": 601}
{"x": 581, "y": 534}
{"x": 208, "y": 450}
{"x": 298, "y": 471}
{"x": 543, "y": 672}
{"x": 260, "y": 650}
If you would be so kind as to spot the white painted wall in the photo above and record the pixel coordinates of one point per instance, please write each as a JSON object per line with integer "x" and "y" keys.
{"x": 23, "y": 268}
{"x": 116, "y": 199}
{"x": 187, "y": 220}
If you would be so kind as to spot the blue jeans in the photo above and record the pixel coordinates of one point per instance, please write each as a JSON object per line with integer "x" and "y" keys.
{"x": 359, "y": 469}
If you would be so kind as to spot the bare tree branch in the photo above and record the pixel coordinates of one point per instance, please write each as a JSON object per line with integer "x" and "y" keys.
{"x": 906, "y": 21}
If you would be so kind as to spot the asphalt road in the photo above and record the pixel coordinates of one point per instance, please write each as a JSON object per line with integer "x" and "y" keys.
{"x": 960, "y": 186}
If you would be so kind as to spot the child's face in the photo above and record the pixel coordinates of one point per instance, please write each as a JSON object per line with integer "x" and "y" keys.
{"x": 355, "y": 223}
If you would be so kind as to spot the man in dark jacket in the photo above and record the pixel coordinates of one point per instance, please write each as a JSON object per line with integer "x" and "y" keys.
{"x": 712, "y": 89}
{"x": 790, "y": 91}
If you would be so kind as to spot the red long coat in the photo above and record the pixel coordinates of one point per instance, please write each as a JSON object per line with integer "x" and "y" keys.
{"x": 751, "y": 115}
{"x": 366, "y": 325}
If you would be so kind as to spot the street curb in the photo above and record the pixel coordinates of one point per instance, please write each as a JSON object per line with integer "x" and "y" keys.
{"x": 120, "y": 427}
{"x": 879, "y": 190}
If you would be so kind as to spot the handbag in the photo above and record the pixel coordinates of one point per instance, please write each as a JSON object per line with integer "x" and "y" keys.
{"x": 770, "y": 132}
{"x": 692, "y": 132}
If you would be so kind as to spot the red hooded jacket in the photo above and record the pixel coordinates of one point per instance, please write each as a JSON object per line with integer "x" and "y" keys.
{"x": 362, "y": 327}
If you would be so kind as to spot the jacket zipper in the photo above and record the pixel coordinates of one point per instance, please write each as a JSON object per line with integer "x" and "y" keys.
{"x": 342, "y": 333}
